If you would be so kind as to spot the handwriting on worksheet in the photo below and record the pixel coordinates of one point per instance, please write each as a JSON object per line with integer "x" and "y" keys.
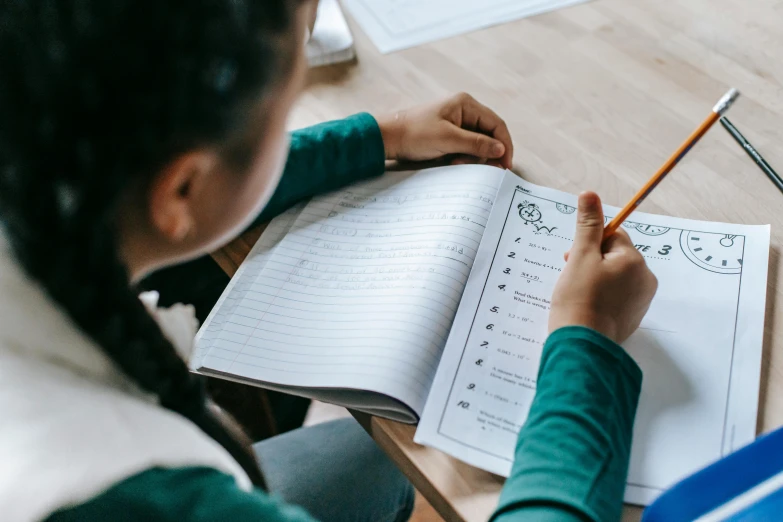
{"x": 685, "y": 345}
{"x": 362, "y": 291}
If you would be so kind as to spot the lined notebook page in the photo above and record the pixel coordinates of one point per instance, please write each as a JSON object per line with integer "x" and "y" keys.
{"x": 362, "y": 291}
{"x": 241, "y": 282}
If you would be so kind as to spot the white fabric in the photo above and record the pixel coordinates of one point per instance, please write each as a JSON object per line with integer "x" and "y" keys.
{"x": 71, "y": 424}
{"x": 179, "y": 323}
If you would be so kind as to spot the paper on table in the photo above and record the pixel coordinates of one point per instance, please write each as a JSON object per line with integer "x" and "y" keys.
{"x": 331, "y": 41}
{"x": 361, "y": 292}
{"x": 397, "y": 24}
{"x": 699, "y": 346}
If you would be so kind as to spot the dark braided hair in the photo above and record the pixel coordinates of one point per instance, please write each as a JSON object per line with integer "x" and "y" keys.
{"x": 96, "y": 96}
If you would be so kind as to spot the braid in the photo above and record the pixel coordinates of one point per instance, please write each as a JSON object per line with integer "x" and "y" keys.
{"x": 94, "y": 95}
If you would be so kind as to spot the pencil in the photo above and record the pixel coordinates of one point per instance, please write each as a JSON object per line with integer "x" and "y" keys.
{"x": 753, "y": 153}
{"x": 720, "y": 108}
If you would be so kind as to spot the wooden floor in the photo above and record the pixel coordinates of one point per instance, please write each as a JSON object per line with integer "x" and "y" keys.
{"x": 424, "y": 512}
{"x": 321, "y": 412}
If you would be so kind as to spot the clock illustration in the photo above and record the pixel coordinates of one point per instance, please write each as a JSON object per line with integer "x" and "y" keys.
{"x": 651, "y": 230}
{"x": 529, "y": 212}
{"x": 565, "y": 209}
{"x": 719, "y": 253}
{"x": 630, "y": 224}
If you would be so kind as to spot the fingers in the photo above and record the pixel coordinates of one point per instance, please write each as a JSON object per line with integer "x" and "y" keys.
{"x": 478, "y": 117}
{"x": 461, "y": 141}
{"x": 589, "y": 225}
{"x": 618, "y": 241}
{"x": 496, "y": 163}
{"x": 466, "y": 159}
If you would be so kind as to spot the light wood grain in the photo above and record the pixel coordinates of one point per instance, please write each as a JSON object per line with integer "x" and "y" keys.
{"x": 596, "y": 97}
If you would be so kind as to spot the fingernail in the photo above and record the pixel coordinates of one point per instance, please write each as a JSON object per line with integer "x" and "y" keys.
{"x": 498, "y": 149}
{"x": 588, "y": 200}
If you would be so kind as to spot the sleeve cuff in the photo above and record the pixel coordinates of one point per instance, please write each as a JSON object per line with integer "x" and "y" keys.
{"x": 594, "y": 342}
{"x": 372, "y": 157}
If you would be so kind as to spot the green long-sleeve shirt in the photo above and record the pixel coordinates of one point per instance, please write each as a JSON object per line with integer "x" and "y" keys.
{"x": 572, "y": 456}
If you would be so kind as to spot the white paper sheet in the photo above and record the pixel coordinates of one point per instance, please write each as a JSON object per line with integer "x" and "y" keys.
{"x": 361, "y": 293}
{"x": 699, "y": 346}
{"x": 397, "y": 24}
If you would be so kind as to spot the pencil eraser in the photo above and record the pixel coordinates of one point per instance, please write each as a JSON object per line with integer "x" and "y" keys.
{"x": 725, "y": 102}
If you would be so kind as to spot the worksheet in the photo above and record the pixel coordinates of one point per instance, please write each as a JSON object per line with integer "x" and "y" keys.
{"x": 397, "y": 24}
{"x": 699, "y": 346}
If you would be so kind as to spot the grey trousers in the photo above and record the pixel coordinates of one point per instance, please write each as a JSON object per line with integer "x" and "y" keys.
{"x": 336, "y": 472}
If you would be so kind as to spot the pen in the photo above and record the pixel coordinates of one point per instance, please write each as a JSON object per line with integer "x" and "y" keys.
{"x": 721, "y": 107}
{"x": 745, "y": 144}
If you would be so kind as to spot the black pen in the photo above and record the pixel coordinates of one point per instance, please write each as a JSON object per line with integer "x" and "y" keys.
{"x": 753, "y": 153}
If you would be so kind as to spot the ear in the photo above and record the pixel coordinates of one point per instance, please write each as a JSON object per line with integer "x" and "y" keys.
{"x": 172, "y": 194}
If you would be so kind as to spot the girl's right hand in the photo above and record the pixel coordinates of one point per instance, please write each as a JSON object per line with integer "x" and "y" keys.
{"x": 604, "y": 287}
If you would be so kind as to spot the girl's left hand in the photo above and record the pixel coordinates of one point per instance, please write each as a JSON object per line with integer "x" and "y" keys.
{"x": 459, "y": 126}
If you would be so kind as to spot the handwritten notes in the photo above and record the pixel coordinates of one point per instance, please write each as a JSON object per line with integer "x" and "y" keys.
{"x": 362, "y": 290}
{"x": 699, "y": 346}
{"x": 241, "y": 283}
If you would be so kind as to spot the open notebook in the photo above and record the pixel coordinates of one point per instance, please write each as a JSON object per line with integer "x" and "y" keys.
{"x": 352, "y": 298}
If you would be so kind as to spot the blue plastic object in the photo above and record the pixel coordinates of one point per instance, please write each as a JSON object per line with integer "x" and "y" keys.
{"x": 724, "y": 481}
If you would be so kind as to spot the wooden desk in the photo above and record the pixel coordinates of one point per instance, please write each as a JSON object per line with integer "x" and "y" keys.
{"x": 596, "y": 96}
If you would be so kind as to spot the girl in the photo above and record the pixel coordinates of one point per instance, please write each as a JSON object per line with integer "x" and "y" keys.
{"x": 136, "y": 134}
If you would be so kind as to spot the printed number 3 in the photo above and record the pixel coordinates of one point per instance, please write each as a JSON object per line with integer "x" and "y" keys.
{"x": 665, "y": 250}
